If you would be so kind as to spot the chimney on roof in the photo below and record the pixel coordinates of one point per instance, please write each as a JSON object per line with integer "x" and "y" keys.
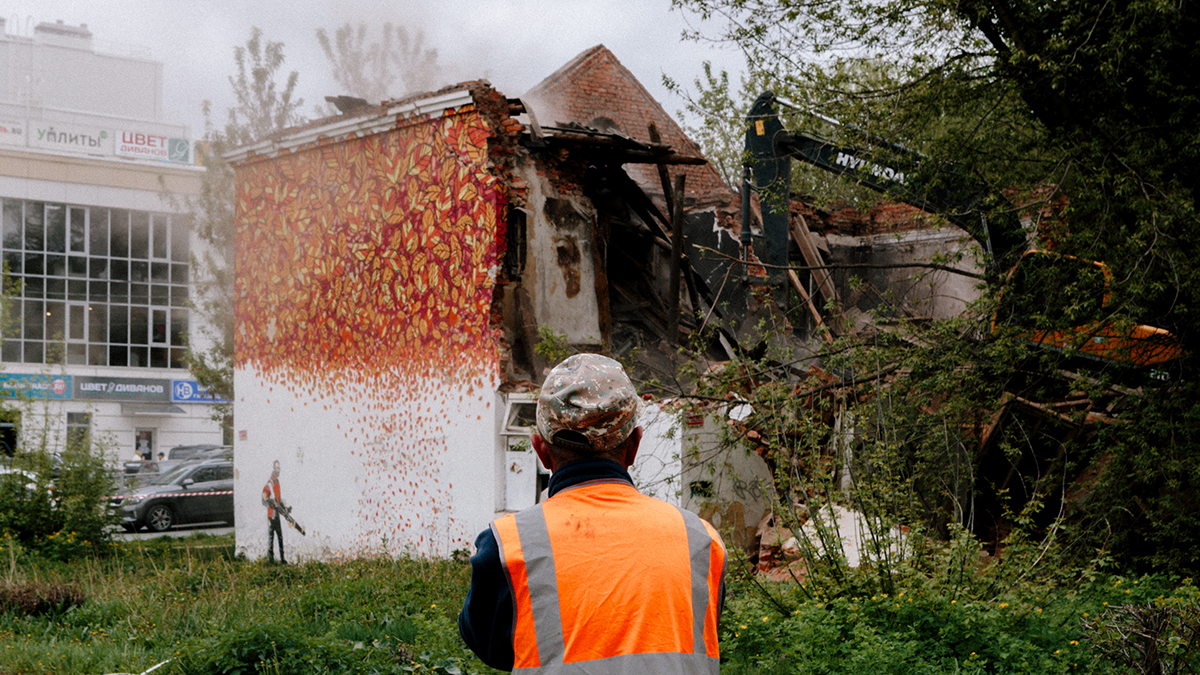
{"x": 347, "y": 104}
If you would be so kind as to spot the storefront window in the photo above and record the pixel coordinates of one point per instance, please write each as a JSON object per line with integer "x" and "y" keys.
{"x": 99, "y": 285}
{"x": 79, "y": 429}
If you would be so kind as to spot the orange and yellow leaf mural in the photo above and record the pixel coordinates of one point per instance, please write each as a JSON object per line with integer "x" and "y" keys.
{"x": 365, "y": 271}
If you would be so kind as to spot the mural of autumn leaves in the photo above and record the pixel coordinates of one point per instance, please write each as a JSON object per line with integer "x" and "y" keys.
{"x": 372, "y": 252}
{"x": 364, "y": 285}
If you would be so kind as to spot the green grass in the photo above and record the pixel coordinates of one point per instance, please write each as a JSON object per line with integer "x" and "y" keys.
{"x": 930, "y": 628}
{"x": 192, "y": 602}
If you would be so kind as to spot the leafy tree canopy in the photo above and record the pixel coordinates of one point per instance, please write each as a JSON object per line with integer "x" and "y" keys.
{"x": 1082, "y": 116}
{"x": 397, "y": 63}
{"x": 262, "y": 108}
{"x": 1090, "y": 100}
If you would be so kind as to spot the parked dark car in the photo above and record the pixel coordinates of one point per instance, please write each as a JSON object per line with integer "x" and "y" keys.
{"x": 196, "y": 451}
{"x": 194, "y": 492}
{"x": 142, "y": 472}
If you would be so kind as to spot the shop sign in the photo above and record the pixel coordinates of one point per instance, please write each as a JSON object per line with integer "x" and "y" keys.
{"x": 153, "y": 146}
{"x": 190, "y": 391}
{"x": 121, "y": 389}
{"x": 12, "y": 132}
{"x": 23, "y": 385}
{"x": 70, "y": 138}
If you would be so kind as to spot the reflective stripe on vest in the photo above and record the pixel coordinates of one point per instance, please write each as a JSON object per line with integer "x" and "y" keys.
{"x": 606, "y": 580}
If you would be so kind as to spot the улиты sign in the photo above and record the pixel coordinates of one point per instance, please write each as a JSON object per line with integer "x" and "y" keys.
{"x": 71, "y": 137}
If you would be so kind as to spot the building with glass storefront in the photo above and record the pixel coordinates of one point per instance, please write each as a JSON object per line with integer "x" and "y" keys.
{"x": 96, "y": 260}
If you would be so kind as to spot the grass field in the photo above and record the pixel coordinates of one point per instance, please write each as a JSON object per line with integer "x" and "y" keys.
{"x": 190, "y": 602}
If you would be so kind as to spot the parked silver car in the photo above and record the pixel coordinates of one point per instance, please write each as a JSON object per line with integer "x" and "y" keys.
{"x": 199, "y": 492}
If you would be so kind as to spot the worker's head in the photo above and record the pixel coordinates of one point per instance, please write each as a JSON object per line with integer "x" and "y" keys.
{"x": 275, "y": 468}
{"x": 587, "y": 408}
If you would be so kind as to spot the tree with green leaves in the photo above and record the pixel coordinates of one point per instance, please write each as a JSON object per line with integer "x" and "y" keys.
{"x": 395, "y": 64}
{"x": 1080, "y": 113}
{"x": 1092, "y": 100}
{"x": 262, "y": 107}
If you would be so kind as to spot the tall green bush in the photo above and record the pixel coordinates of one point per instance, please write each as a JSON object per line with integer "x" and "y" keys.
{"x": 61, "y": 511}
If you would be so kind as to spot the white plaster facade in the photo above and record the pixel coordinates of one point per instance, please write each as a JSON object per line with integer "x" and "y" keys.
{"x": 925, "y": 293}
{"x": 426, "y": 492}
{"x": 559, "y": 270}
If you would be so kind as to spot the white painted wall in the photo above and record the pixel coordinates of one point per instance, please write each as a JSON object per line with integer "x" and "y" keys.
{"x": 111, "y": 430}
{"x": 926, "y": 293}
{"x": 679, "y": 448}
{"x": 659, "y": 465}
{"x": 427, "y": 488}
{"x": 577, "y": 317}
{"x": 63, "y": 71}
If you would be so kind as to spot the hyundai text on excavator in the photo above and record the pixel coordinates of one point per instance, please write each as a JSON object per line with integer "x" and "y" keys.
{"x": 1028, "y": 307}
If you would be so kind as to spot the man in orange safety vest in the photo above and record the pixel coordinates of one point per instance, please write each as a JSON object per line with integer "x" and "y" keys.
{"x": 598, "y": 578}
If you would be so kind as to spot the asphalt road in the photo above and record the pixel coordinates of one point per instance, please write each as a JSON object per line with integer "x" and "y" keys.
{"x": 177, "y": 531}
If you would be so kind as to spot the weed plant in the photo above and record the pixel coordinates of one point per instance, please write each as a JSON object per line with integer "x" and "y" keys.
{"x": 940, "y": 626}
{"x": 969, "y": 541}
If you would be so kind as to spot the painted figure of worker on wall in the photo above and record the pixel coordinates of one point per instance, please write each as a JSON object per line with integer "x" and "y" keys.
{"x": 274, "y": 504}
{"x": 275, "y": 509}
{"x": 598, "y": 578}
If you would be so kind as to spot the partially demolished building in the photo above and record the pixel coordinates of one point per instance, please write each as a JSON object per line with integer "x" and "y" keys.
{"x": 395, "y": 264}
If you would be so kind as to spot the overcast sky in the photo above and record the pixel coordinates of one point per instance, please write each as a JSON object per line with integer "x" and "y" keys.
{"x": 512, "y": 43}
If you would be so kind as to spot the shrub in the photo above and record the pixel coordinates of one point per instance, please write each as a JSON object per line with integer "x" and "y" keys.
{"x": 1150, "y": 637}
{"x": 57, "y": 505}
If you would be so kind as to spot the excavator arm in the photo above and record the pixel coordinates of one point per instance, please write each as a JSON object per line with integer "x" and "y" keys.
{"x": 880, "y": 165}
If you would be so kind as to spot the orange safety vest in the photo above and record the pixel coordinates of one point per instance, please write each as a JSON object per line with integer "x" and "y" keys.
{"x": 272, "y": 482}
{"x": 607, "y": 580}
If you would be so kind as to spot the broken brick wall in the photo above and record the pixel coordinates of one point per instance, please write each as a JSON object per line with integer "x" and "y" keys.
{"x": 595, "y": 90}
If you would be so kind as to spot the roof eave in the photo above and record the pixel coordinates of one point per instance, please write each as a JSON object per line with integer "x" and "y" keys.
{"x": 343, "y": 126}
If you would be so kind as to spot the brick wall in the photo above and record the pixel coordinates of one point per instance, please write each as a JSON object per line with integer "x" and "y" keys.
{"x": 595, "y": 85}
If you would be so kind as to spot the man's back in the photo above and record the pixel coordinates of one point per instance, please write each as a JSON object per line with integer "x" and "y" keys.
{"x": 598, "y": 578}
{"x": 624, "y": 573}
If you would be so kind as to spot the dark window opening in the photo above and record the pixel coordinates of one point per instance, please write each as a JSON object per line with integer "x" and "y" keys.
{"x": 10, "y": 421}
{"x": 516, "y": 245}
